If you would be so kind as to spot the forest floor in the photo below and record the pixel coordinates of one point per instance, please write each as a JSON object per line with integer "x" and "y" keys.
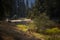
{"x": 9, "y": 31}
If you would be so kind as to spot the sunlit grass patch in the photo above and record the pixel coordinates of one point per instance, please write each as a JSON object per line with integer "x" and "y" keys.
{"x": 37, "y": 35}
{"x": 22, "y": 27}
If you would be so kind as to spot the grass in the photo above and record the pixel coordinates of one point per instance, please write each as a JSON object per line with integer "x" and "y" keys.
{"x": 34, "y": 34}
{"x": 22, "y": 27}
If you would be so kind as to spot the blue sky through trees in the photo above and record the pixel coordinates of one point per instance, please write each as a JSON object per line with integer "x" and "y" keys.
{"x": 29, "y": 1}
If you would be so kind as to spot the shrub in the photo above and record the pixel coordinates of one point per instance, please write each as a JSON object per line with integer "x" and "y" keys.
{"x": 42, "y": 21}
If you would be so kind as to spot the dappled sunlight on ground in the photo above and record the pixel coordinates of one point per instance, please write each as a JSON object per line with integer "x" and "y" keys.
{"x": 16, "y": 33}
{"x": 30, "y": 33}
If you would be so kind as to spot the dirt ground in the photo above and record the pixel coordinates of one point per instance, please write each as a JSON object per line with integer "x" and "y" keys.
{"x": 8, "y": 31}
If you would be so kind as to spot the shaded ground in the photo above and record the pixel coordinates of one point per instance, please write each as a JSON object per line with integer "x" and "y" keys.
{"x": 9, "y": 31}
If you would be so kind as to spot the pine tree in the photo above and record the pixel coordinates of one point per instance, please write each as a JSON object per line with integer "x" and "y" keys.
{"x": 5, "y": 7}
